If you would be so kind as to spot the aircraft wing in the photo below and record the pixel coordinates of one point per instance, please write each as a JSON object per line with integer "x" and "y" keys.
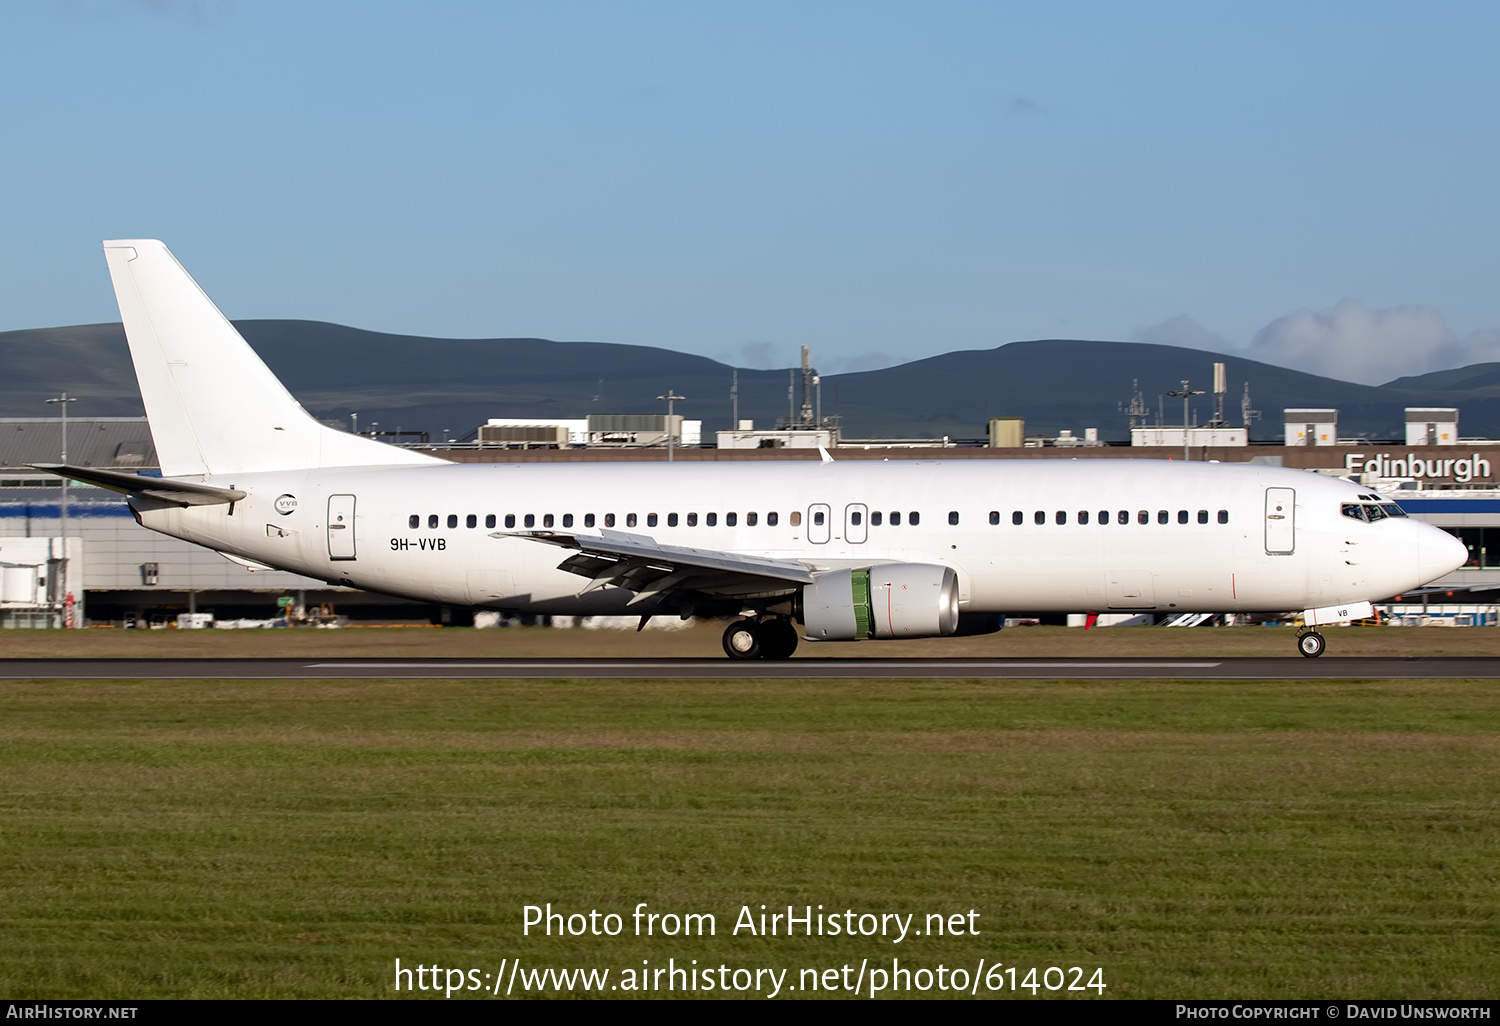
{"x": 618, "y": 559}
{"x": 183, "y": 493}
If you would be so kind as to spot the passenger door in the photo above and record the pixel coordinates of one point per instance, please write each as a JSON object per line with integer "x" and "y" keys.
{"x": 1281, "y": 527}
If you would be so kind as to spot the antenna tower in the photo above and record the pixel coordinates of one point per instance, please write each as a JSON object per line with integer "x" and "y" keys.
{"x": 1246, "y": 413}
{"x": 1220, "y": 387}
{"x": 1136, "y": 409}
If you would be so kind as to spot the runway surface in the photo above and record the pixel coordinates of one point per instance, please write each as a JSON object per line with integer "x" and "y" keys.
{"x": 1295, "y": 668}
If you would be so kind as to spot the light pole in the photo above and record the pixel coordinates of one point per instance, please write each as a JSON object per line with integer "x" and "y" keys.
{"x": 1186, "y": 394}
{"x": 670, "y": 398}
{"x": 62, "y": 402}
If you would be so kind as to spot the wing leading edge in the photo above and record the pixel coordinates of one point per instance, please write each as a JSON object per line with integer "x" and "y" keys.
{"x": 641, "y": 565}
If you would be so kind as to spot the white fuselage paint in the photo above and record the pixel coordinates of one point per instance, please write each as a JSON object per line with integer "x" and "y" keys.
{"x": 1071, "y": 566}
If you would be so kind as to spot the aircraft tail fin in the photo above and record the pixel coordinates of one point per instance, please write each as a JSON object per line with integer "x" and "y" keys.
{"x": 214, "y": 406}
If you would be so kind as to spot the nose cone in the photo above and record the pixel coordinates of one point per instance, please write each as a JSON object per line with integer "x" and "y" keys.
{"x": 1439, "y": 553}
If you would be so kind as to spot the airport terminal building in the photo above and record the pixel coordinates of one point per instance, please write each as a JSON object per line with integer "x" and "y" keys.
{"x": 110, "y": 570}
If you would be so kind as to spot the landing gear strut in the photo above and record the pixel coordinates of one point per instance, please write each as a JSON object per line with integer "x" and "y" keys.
{"x": 760, "y": 639}
{"x": 1310, "y": 644}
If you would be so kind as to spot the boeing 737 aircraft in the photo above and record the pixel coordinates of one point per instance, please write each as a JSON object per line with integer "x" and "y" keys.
{"x": 846, "y": 550}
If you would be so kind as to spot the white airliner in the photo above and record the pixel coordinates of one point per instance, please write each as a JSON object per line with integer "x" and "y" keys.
{"x": 846, "y": 549}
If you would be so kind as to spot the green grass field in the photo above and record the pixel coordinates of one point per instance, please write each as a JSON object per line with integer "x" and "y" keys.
{"x": 1221, "y": 839}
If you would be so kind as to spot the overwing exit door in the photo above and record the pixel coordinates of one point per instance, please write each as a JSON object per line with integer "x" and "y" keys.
{"x": 819, "y": 525}
{"x": 341, "y": 527}
{"x": 855, "y": 530}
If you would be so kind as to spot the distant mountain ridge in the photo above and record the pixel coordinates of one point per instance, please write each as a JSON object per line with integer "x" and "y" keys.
{"x": 436, "y": 385}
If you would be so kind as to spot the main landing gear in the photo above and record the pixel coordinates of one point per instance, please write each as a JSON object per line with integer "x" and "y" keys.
{"x": 1310, "y": 644}
{"x": 775, "y": 638}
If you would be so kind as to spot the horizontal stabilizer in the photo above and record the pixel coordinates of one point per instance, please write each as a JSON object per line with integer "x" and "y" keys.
{"x": 183, "y": 493}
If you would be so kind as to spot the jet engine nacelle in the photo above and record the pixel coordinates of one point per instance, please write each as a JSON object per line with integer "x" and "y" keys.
{"x": 894, "y": 600}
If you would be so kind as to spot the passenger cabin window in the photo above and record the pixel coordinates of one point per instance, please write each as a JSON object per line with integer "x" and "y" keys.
{"x": 1104, "y": 516}
{"x": 530, "y": 520}
{"x": 751, "y": 518}
{"x": 818, "y": 518}
{"x": 588, "y": 520}
{"x": 692, "y": 520}
{"x": 1162, "y": 516}
{"x": 489, "y": 520}
{"x": 875, "y": 518}
{"x": 1182, "y": 516}
{"x": 795, "y": 518}
{"x": 1223, "y": 516}
{"x": 1017, "y": 517}
{"x": 1123, "y": 516}
{"x": 731, "y": 519}
{"x": 650, "y": 519}
{"x": 609, "y": 520}
{"x": 856, "y": 518}
{"x": 546, "y": 519}
{"x": 432, "y": 521}
{"x": 629, "y": 519}
{"x": 994, "y": 516}
{"x": 913, "y": 519}
{"x": 471, "y": 521}
{"x": 953, "y": 516}
{"x": 1039, "y": 517}
{"x": 771, "y": 519}
{"x": 1083, "y": 516}
{"x": 510, "y": 520}
{"x": 414, "y": 521}
{"x": 711, "y": 519}
{"x": 1143, "y": 517}
{"x": 1203, "y": 516}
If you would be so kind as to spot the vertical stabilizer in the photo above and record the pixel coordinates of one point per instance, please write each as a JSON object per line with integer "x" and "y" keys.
{"x": 214, "y": 407}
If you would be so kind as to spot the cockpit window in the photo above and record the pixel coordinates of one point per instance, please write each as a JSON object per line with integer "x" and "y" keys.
{"x": 1393, "y": 510}
{"x": 1375, "y": 513}
{"x": 1352, "y": 510}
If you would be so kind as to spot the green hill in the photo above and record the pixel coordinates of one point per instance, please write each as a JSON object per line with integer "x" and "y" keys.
{"x": 437, "y": 385}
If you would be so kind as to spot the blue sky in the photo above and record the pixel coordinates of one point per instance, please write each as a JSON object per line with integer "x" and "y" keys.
{"x": 1314, "y": 184}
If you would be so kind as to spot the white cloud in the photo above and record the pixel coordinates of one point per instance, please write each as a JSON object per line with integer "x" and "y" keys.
{"x": 1351, "y": 342}
{"x": 1183, "y": 331}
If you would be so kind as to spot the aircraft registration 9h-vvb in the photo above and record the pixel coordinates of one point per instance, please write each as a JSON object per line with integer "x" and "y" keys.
{"x": 847, "y": 549}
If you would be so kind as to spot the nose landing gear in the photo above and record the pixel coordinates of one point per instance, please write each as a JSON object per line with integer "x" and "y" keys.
{"x": 1310, "y": 644}
{"x": 775, "y": 638}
